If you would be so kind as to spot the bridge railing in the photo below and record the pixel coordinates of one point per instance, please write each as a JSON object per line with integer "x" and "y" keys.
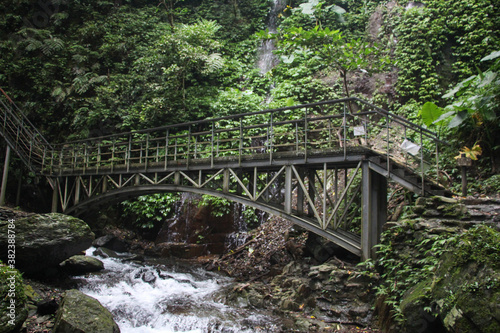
{"x": 331, "y": 126}
{"x": 21, "y": 134}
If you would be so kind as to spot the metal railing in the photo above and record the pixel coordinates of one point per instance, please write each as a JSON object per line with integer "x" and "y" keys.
{"x": 21, "y": 135}
{"x": 330, "y": 126}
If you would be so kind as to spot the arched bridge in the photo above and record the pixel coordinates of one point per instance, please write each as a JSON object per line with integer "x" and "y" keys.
{"x": 323, "y": 166}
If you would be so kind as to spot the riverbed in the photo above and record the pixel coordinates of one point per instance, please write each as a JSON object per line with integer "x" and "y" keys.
{"x": 168, "y": 296}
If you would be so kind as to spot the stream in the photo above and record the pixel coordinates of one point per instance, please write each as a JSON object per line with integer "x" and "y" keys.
{"x": 165, "y": 296}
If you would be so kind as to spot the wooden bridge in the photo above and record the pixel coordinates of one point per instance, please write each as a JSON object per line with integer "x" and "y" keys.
{"x": 323, "y": 166}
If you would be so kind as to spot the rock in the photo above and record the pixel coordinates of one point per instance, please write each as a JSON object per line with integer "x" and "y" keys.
{"x": 105, "y": 253}
{"x": 102, "y": 241}
{"x": 146, "y": 276}
{"x": 79, "y": 264}
{"x": 464, "y": 293}
{"x": 80, "y": 313}
{"x": 47, "y": 307}
{"x": 44, "y": 241}
{"x": 112, "y": 242}
{"x": 289, "y": 305}
{"x": 13, "y": 304}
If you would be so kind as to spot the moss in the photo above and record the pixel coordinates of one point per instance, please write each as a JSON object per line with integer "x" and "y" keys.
{"x": 81, "y": 313}
{"x": 416, "y": 294}
{"x": 469, "y": 288}
{"x": 13, "y": 310}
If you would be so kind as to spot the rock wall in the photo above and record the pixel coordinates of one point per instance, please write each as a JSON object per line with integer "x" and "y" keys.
{"x": 444, "y": 259}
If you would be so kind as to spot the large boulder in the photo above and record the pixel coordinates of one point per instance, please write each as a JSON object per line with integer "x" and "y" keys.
{"x": 79, "y": 313}
{"x": 44, "y": 241}
{"x": 80, "y": 264}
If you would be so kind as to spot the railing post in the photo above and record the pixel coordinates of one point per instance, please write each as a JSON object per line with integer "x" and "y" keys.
{"x": 166, "y": 148}
{"x": 422, "y": 161}
{"x": 188, "y": 146}
{"x": 306, "y": 137}
{"x": 129, "y": 152}
{"x": 61, "y": 160}
{"x": 240, "y": 151}
{"x": 113, "y": 154}
{"x": 212, "y": 146}
{"x": 98, "y": 164}
{"x": 297, "y": 137}
{"x": 146, "y": 158}
{"x": 270, "y": 137}
{"x": 388, "y": 146}
{"x": 344, "y": 123}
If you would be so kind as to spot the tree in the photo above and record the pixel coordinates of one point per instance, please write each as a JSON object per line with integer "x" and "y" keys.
{"x": 332, "y": 50}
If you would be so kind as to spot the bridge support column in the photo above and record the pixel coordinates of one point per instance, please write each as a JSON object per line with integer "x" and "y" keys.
{"x": 55, "y": 195}
{"x": 312, "y": 194}
{"x": 374, "y": 210}
{"x": 5, "y": 176}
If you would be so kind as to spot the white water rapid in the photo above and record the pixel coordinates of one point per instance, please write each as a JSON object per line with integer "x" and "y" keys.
{"x": 163, "y": 298}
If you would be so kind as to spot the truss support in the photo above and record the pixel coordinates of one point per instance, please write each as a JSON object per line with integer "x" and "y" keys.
{"x": 374, "y": 209}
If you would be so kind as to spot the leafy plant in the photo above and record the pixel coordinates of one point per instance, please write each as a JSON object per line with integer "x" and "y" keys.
{"x": 151, "y": 209}
{"x": 471, "y": 153}
{"x": 219, "y": 206}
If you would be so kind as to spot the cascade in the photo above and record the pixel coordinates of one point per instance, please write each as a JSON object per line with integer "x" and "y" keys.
{"x": 267, "y": 60}
{"x": 166, "y": 297}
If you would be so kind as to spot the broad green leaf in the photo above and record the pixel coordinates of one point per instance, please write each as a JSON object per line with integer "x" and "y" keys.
{"x": 458, "y": 120}
{"x": 492, "y": 56}
{"x": 487, "y": 79}
{"x": 430, "y": 112}
{"x": 458, "y": 87}
{"x": 441, "y": 120}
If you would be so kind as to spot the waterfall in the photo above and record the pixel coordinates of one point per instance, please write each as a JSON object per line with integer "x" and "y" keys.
{"x": 267, "y": 60}
{"x": 168, "y": 298}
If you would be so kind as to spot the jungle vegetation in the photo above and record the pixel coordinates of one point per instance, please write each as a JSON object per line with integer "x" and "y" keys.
{"x": 87, "y": 68}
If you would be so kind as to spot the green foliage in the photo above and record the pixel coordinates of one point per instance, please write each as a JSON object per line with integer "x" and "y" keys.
{"x": 220, "y": 206}
{"x": 329, "y": 48}
{"x": 151, "y": 209}
{"x": 440, "y": 42}
{"x": 403, "y": 269}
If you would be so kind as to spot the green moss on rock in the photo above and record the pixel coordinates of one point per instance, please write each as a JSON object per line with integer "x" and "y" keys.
{"x": 13, "y": 305}
{"x": 79, "y": 313}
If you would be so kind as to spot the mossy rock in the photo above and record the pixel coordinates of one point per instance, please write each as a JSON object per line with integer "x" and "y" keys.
{"x": 80, "y": 264}
{"x": 79, "y": 313}
{"x": 13, "y": 303}
{"x": 44, "y": 241}
{"x": 465, "y": 289}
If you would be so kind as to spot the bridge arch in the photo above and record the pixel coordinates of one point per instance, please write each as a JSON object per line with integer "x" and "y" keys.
{"x": 343, "y": 239}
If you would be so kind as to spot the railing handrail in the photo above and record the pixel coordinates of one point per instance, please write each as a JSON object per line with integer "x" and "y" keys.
{"x": 431, "y": 135}
{"x": 19, "y": 114}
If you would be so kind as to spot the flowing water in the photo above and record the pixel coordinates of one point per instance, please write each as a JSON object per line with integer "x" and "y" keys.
{"x": 167, "y": 297}
{"x": 267, "y": 59}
